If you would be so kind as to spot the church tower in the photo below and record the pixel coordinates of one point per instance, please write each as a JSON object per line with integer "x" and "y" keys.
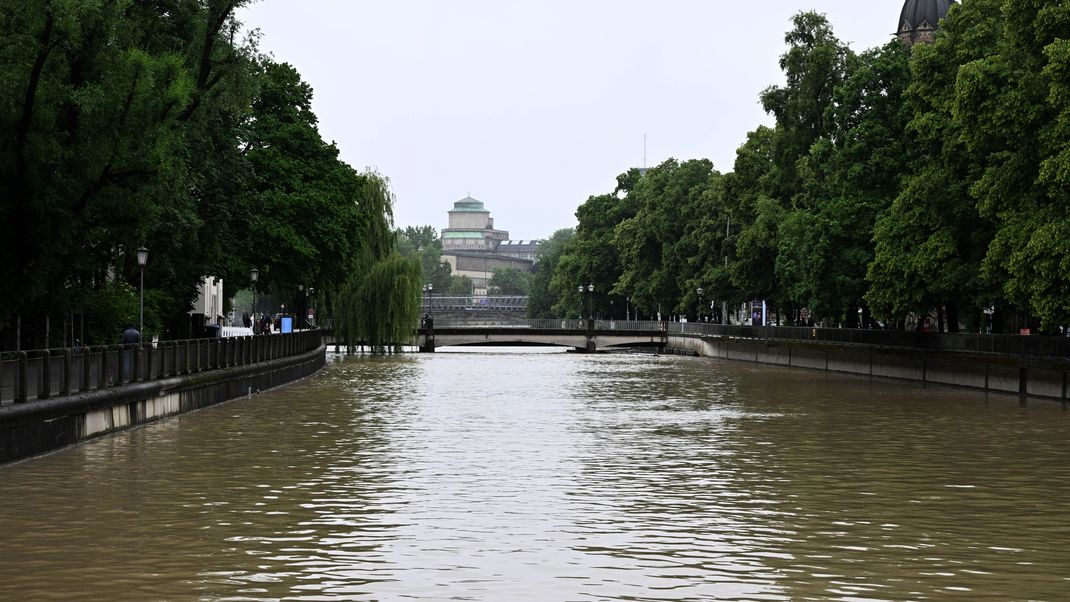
{"x": 920, "y": 19}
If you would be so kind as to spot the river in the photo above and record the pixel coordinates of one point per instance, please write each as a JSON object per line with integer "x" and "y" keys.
{"x": 548, "y": 476}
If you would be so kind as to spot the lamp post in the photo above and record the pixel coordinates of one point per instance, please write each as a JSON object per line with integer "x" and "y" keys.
{"x": 579, "y": 289}
{"x": 300, "y": 305}
{"x": 590, "y": 301}
{"x": 142, "y": 259}
{"x": 428, "y": 288}
{"x": 989, "y": 311}
{"x": 254, "y": 275}
{"x": 699, "y": 290}
{"x": 310, "y": 312}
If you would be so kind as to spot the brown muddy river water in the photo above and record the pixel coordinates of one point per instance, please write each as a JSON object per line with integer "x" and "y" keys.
{"x": 548, "y": 476}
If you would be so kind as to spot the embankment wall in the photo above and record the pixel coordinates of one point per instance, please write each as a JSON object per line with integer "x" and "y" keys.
{"x": 32, "y": 428}
{"x": 995, "y": 373}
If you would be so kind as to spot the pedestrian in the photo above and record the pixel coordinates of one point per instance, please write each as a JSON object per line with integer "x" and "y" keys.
{"x": 131, "y": 336}
{"x": 246, "y": 320}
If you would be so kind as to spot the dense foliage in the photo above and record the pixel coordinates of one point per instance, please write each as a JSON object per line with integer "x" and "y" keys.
{"x": 380, "y": 305}
{"x": 898, "y": 186}
{"x": 129, "y": 123}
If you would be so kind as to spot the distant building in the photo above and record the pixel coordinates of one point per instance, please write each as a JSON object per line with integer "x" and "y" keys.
{"x": 208, "y": 308}
{"x": 480, "y": 267}
{"x": 521, "y": 249}
{"x": 920, "y": 19}
{"x": 471, "y": 228}
{"x": 474, "y": 248}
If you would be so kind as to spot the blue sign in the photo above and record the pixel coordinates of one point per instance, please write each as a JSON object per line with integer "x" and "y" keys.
{"x": 287, "y": 324}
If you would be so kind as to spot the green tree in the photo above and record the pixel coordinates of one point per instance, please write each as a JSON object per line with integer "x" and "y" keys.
{"x": 99, "y": 139}
{"x": 849, "y": 178}
{"x": 672, "y": 200}
{"x": 590, "y": 256}
{"x": 541, "y": 300}
{"x": 380, "y": 309}
{"x": 416, "y": 238}
{"x": 929, "y": 245}
{"x": 510, "y": 281}
{"x": 814, "y": 66}
{"x": 460, "y": 285}
{"x": 1007, "y": 107}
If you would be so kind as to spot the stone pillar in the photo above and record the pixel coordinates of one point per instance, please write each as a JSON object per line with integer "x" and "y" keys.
{"x": 429, "y": 336}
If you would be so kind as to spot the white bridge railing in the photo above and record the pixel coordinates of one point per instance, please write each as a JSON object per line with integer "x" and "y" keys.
{"x": 551, "y": 324}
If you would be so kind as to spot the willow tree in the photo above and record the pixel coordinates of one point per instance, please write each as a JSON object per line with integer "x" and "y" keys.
{"x": 379, "y": 305}
{"x": 380, "y": 308}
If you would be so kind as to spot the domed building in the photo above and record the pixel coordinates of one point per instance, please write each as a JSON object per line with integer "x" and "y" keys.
{"x": 920, "y": 19}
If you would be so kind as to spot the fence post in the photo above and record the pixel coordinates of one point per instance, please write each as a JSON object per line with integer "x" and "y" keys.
{"x": 46, "y": 375}
{"x": 148, "y": 361}
{"x": 22, "y": 390}
{"x": 68, "y": 361}
{"x": 103, "y": 384}
{"x": 135, "y": 364}
{"x": 87, "y": 367}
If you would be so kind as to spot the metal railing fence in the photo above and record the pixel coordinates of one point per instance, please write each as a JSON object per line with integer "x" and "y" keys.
{"x": 26, "y": 376}
{"x": 1041, "y": 347}
{"x": 476, "y": 303}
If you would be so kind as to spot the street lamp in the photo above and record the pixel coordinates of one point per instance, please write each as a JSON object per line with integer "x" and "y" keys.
{"x": 299, "y": 305}
{"x": 254, "y": 275}
{"x": 142, "y": 259}
{"x": 579, "y": 289}
{"x": 428, "y": 288}
{"x": 699, "y": 290}
{"x": 989, "y": 311}
{"x": 590, "y": 301}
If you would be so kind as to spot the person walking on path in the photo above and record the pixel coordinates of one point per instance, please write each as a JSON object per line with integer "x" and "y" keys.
{"x": 131, "y": 336}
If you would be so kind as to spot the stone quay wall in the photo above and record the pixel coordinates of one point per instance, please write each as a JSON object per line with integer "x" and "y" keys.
{"x": 1028, "y": 377}
{"x": 28, "y": 429}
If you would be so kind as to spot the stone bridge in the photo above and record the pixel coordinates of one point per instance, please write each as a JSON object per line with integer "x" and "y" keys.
{"x": 582, "y": 335}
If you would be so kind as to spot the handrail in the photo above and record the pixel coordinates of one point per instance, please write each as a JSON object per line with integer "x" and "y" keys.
{"x": 26, "y": 376}
{"x": 1033, "y": 346}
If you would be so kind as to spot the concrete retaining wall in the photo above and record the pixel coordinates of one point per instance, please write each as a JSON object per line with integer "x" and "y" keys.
{"x": 999, "y": 374}
{"x": 32, "y": 428}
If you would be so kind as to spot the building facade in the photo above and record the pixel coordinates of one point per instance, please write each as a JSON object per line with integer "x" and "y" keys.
{"x": 471, "y": 228}
{"x": 520, "y": 249}
{"x": 473, "y": 247}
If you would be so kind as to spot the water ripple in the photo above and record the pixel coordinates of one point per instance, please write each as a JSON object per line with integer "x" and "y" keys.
{"x": 531, "y": 476}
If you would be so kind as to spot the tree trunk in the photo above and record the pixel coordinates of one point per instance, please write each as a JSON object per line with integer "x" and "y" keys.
{"x": 952, "y": 317}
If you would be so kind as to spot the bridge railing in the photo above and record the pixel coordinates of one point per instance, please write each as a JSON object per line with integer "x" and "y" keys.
{"x": 1047, "y": 347}
{"x": 477, "y": 303}
{"x": 40, "y": 374}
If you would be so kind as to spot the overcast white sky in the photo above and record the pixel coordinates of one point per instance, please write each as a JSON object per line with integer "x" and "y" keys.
{"x": 532, "y": 106}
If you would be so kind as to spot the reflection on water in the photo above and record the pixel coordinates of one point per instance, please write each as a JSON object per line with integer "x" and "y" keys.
{"x": 511, "y": 476}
